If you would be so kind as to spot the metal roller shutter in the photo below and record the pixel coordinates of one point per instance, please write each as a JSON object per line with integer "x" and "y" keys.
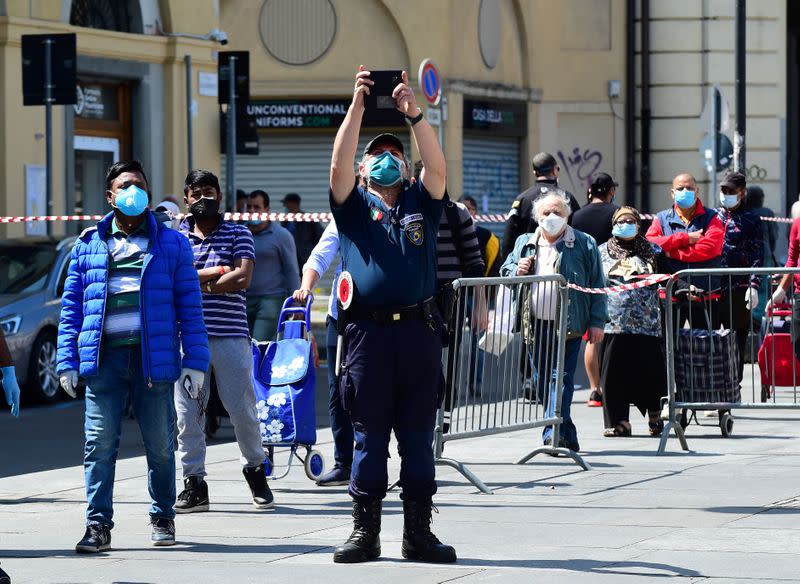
{"x": 293, "y": 163}
{"x": 491, "y": 173}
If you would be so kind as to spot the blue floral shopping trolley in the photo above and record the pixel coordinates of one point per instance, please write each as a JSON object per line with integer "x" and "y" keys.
{"x": 284, "y": 379}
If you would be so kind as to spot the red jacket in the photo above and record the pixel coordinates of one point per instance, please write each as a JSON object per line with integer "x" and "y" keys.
{"x": 794, "y": 252}
{"x": 675, "y": 242}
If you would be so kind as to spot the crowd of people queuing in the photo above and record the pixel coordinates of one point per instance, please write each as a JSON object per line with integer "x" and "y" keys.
{"x": 154, "y": 308}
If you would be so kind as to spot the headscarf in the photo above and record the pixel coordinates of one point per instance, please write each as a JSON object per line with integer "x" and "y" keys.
{"x": 626, "y": 248}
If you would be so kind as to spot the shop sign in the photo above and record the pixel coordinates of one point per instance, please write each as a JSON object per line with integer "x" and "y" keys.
{"x": 96, "y": 102}
{"x": 506, "y": 118}
{"x": 314, "y": 113}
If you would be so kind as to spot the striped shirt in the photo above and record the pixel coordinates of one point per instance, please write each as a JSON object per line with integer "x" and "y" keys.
{"x": 451, "y": 266}
{"x": 122, "y": 322}
{"x": 225, "y": 314}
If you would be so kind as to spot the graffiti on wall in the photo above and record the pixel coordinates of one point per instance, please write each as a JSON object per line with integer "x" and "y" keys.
{"x": 578, "y": 167}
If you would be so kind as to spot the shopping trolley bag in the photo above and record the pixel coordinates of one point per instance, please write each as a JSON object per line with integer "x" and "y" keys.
{"x": 284, "y": 381}
{"x": 707, "y": 365}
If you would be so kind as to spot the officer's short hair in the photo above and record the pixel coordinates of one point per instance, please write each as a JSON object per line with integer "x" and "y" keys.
{"x": 544, "y": 164}
{"x": 200, "y": 178}
{"x": 547, "y": 198}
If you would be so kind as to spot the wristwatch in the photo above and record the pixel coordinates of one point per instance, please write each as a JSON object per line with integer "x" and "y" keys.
{"x": 416, "y": 119}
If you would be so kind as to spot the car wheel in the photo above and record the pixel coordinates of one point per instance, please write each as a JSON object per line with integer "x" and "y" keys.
{"x": 43, "y": 380}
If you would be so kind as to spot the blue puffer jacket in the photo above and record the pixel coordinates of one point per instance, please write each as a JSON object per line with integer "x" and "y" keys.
{"x": 170, "y": 305}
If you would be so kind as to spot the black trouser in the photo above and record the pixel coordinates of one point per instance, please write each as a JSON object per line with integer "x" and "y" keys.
{"x": 735, "y": 316}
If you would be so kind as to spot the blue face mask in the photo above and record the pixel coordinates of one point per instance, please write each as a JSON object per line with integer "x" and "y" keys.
{"x": 131, "y": 201}
{"x": 385, "y": 170}
{"x": 728, "y": 201}
{"x": 685, "y": 199}
{"x": 255, "y": 222}
{"x": 624, "y": 230}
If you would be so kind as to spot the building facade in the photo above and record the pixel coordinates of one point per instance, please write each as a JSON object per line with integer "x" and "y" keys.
{"x": 572, "y": 77}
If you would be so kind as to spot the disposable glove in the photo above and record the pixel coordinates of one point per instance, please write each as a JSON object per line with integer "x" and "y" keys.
{"x": 191, "y": 381}
{"x": 751, "y": 298}
{"x": 11, "y": 389}
{"x": 69, "y": 381}
{"x": 779, "y": 295}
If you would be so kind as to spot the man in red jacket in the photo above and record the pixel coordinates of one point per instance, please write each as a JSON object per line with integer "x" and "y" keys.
{"x": 691, "y": 237}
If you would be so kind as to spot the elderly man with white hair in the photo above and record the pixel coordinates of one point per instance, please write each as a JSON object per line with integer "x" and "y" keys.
{"x": 557, "y": 248}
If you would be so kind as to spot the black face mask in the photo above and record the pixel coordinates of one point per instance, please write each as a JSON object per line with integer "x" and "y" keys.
{"x": 204, "y": 208}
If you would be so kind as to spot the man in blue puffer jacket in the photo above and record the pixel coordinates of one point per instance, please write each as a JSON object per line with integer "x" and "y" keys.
{"x": 131, "y": 303}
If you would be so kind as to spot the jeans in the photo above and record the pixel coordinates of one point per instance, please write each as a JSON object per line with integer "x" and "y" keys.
{"x": 120, "y": 374}
{"x": 262, "y": 316}
{"x": 544, "y": 363}
{"x": 341, "y": 426}
{"x": 232, "y": 366}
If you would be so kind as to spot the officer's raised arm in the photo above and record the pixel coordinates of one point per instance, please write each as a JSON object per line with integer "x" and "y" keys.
{"x": 344, "y": 147}
{"x": 433, "y": 175}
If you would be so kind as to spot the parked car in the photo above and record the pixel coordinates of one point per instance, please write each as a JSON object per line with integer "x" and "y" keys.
{"x": 32, "y": 274}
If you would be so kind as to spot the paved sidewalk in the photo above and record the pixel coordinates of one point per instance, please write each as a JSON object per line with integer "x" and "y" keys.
{"x": 715, "y": 515}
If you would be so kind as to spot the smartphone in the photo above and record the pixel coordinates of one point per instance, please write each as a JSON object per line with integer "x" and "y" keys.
{"x": 380, "y": 94}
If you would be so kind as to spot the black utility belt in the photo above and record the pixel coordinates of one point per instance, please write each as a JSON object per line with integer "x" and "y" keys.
{"x": 393, "y": 315}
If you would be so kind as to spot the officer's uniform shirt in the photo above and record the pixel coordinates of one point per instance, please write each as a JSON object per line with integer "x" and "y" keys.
{"x": 520, "y": 217}
{"x": 391, "y": 253}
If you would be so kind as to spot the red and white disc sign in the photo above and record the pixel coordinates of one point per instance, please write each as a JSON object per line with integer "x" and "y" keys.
{"x": 345, "y": 289}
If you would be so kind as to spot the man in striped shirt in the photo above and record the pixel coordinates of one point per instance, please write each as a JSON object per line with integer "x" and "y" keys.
{"x": 224, "y": 257}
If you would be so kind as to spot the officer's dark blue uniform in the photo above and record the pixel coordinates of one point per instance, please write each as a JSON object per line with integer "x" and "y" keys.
{"x": 391, "y": 374}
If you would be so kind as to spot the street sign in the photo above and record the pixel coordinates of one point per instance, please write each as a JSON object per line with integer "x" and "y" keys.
{"x": 724, "y": 115}
{"x": 434, "y": 117}
{"x": 63, "y": 69}
{"x": 242, "y": 72}
{"x": 430, "y": 82}
{"x": 724, "y": 152}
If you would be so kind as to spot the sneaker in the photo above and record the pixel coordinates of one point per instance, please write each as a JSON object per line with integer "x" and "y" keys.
{"x": 595, "y": 399}
{"x": 96, "y": 539}
{"x": 336, "y": 477}
{"x": 194, "y": 497}
{"x": 163, "y": 531}
{"x": 256, "y": 478}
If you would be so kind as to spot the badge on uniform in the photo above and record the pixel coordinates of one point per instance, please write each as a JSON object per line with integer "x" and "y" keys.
{"x": 344, "y": 289}
{"x": 411, "y": 218}
{"x": 414, "y": 233}
{"x": 376, "y": 214}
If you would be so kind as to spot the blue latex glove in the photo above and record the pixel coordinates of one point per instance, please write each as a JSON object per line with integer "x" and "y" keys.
{"x": 11, "y": 388}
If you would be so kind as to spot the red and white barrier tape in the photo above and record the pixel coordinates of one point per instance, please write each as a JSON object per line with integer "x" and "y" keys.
{"x": 643, "y": 283}
{"x": 298, "y": 217}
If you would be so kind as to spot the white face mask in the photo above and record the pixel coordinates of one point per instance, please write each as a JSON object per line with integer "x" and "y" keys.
{"x": 553, "y": 224}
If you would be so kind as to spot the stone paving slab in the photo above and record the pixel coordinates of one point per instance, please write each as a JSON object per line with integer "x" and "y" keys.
{"x": 705, "y": 516}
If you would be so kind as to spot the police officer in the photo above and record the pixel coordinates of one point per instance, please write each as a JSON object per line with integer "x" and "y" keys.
{"x": 391, "y": 376}
{"x": 520, "y": 217}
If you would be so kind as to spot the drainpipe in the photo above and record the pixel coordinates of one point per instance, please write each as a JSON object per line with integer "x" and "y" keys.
{"x": 645, "y": 113}
{"x": 630, "y": 103}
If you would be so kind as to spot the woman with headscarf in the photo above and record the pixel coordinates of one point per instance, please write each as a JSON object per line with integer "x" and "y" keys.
{"x": 632, "y": 366}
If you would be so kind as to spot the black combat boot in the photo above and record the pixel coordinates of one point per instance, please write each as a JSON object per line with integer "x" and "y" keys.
{"x": 364, "y": 543}
{"x": 418, "y": 541}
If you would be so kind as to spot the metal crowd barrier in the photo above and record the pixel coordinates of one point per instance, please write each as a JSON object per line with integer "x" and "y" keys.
{"x": 722, "y": 357}
{"x": 493, "y": 377}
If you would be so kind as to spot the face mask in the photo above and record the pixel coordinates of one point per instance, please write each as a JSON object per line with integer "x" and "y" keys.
{"x": 255, "y": 222}
{"x": 684, "y": 199}
{"x": 385, "y": 170}
{"x": 728, "y": 201}
{"x": 204, "y": 208}
{"x": 553, "y": 224}
{"x": 131, "y": 201}
{"x": 625, "y": 230}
